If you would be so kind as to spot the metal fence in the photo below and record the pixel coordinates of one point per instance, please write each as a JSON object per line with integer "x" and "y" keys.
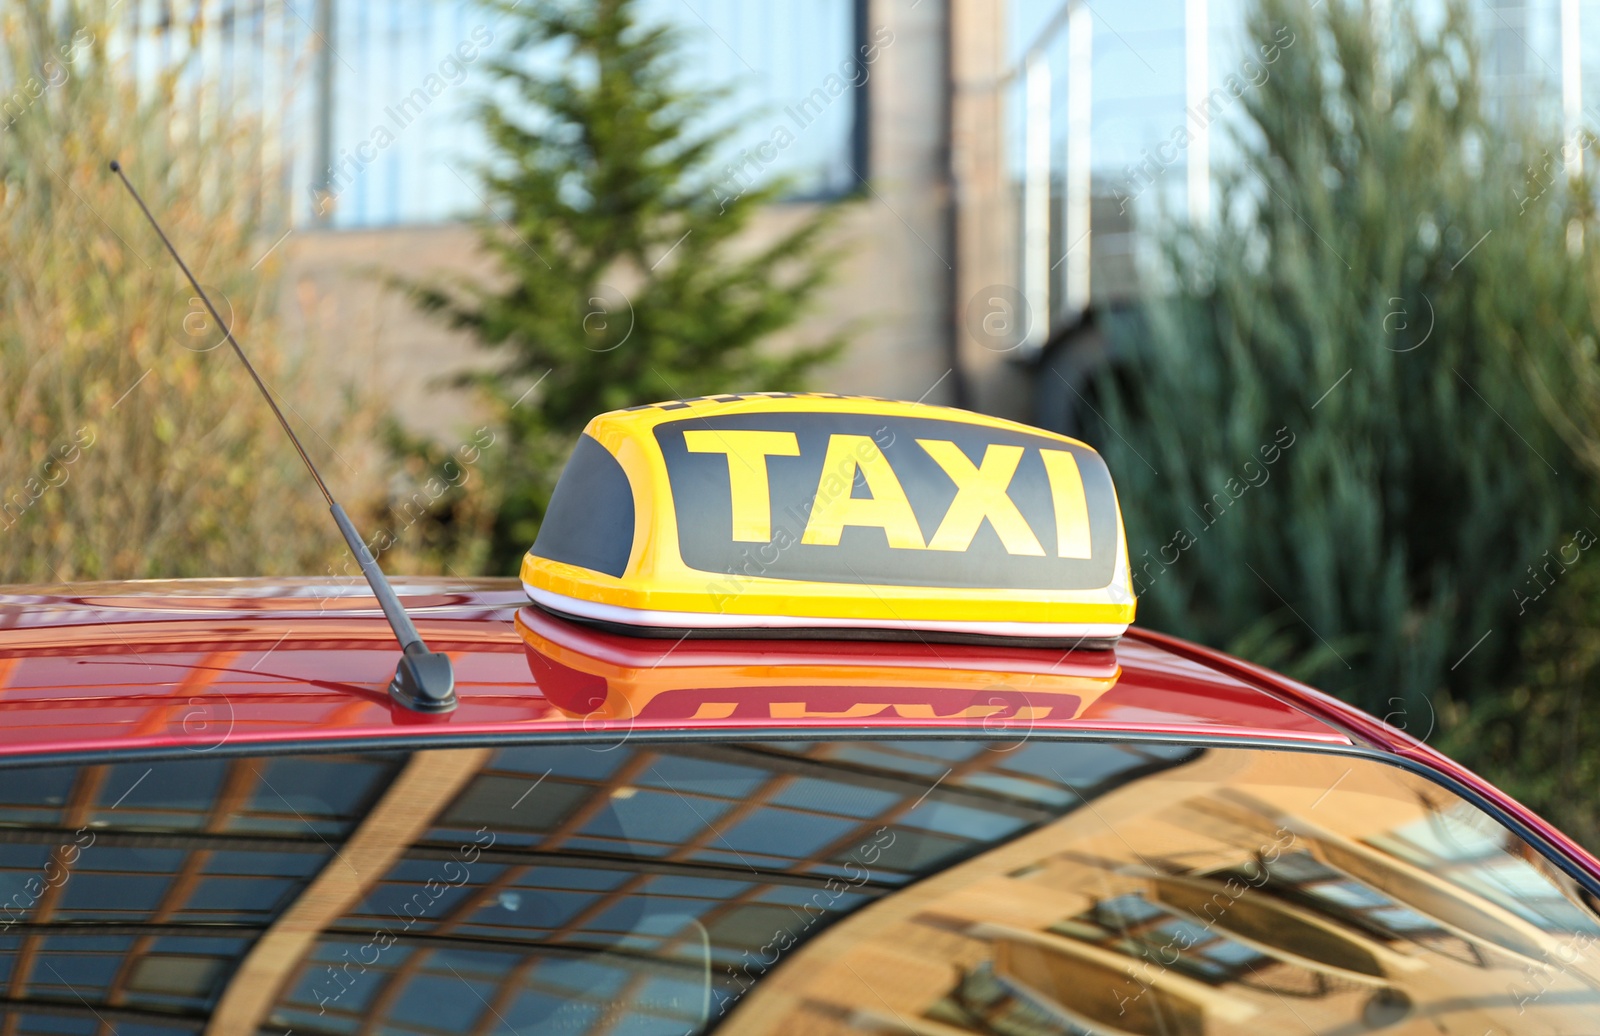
{"x": 367, "y": 105}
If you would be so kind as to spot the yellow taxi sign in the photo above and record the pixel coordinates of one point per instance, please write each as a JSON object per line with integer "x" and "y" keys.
{"x": 815, "y": 514}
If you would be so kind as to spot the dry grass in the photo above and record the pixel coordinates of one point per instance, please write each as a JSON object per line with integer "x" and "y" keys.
{"x": 131, "y": 443}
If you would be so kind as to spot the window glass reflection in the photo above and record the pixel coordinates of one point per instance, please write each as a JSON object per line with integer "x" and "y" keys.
{"x": 661, "y": 888}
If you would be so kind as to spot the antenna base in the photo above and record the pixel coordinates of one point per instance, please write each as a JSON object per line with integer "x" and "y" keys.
{"x": 425, "y": 681}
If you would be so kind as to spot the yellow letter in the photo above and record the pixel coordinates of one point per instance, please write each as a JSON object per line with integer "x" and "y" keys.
{"x": 887, "y": 509}
{"x": 747, "y": 474}
{"x": 1072, "y": 507}
{"x": 980, "y": 494}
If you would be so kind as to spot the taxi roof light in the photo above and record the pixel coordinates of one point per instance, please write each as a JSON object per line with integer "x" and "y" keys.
{"x": 818, "y": 515}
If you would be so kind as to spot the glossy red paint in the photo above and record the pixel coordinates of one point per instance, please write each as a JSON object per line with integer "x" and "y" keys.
{"x": 189, "y": 664}
{"x": 199, "y": 664}
{"x": 1373, "y": 732}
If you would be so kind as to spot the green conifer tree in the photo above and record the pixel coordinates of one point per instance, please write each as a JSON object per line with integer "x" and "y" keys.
{"x": 616, "y": 227}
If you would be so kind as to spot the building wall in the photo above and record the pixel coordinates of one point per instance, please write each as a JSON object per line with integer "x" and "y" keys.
{"x": 359, "y": 331}
{"x": 938, "y": 237}
{"x": 986, "y": 218}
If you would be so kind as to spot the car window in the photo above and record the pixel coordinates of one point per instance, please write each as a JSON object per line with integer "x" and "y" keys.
{"x": 901, "y": 886}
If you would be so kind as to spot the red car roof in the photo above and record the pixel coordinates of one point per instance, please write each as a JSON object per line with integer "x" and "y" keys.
{"x": 196, "y": 664}
{"x": 158, "y": 664}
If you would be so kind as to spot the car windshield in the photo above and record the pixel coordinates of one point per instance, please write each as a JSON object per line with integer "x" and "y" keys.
{"x": 900, "y": 886}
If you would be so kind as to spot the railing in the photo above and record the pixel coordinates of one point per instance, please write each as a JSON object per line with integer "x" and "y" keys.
{"x": 366, "y": 105}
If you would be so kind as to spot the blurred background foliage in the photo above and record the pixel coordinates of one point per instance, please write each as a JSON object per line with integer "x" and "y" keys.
{"x": 1404, "y": 289}
{"x": 1369, "y": 387}
{"x": 112, "y": 381}
{"x": 1535, "y": 735}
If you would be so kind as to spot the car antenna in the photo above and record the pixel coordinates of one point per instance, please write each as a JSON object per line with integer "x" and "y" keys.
{"x": 424, "y": 681}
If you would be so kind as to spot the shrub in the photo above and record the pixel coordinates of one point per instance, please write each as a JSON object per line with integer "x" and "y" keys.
{"x": 1535, "y": 739}
{"x": 1325, "y": 444}
{"x": 132, "y": 444}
